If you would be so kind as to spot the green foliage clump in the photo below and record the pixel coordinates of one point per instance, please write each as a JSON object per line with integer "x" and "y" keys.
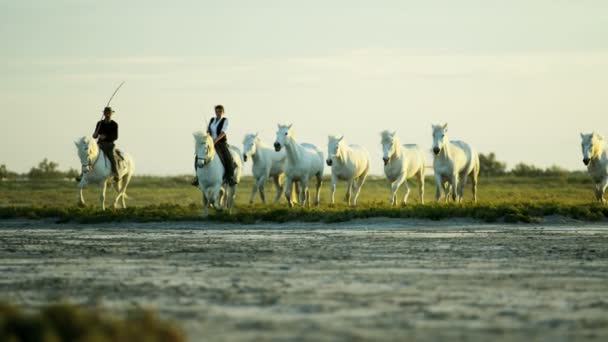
{"x": 489, "y": 166}
{"x": 66, "y": 322}
{"x": 50, "y": 170}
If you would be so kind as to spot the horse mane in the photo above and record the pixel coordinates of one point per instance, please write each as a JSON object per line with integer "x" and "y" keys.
{"x": 387, "y": 136}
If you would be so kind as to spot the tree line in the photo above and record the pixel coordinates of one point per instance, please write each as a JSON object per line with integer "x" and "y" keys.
{"x": 44, "y": 170}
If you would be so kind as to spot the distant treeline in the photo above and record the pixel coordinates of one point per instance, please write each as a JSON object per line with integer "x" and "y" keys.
{"x": 490, "y": 166}
{"x": 44, "y": 170}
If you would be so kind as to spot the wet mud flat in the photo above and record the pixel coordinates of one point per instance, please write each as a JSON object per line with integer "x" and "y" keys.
{"x": 371, "y": 280}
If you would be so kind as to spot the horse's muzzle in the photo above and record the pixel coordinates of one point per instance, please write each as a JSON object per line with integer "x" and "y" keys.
{"x": 329, "y": 162}
{"x": 277, "y": 147}
{"x": 385, "y": 161}
{"x": 436, "y": 150}
{"x": 586, "y": 161}
{"x": 244, "y": 157}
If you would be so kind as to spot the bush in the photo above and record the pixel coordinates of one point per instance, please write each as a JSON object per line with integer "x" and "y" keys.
{"x": 65, "y": 322}
{"x": 489, "y": 166}
{"x": 50, "y": 170}
{"x": 6, "y": 173}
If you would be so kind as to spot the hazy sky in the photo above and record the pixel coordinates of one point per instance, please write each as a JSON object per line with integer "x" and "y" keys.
{"x": 519, "y": 78}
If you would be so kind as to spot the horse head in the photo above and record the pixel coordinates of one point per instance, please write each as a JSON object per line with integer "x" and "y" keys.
{"x": 334, "y": 149}
{"x": 390, "y": 143}
{"x": 591, "y": 145}
{"x": 87, "y": 151}
{"x": 250, "y": 145}
{"x": 284, "y": 135}
{"x": 440, "y": 137}
{"x": 203, "y": 148}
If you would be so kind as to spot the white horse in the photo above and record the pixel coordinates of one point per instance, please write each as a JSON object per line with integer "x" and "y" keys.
{"x": 210, "y": 173}
{"x": 267, "y": 163}
{"x": 454, "y": 162}
{"x": 303, "y": 162}
{"x": 349, "y": 163}
{"x": 96, "y": 168}
{"x": 400, "y": 163}
{"x": 595, "y": 156}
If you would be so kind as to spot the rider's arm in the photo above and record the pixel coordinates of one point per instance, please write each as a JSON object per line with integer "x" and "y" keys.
{"x": 219, "y": 137}
{"x": 222, "y": 134}
{"x": 96, "y": 132}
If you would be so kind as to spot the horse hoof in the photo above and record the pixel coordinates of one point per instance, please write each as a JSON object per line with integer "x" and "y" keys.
{"x": 81, "y": 204}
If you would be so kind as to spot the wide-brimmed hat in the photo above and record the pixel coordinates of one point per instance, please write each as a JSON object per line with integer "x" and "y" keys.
{"x": 108, "y": 109}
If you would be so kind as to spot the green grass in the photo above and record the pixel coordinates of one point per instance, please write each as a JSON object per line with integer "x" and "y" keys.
{"x": 66, "y": 322}
{"x": 510, "y": 199}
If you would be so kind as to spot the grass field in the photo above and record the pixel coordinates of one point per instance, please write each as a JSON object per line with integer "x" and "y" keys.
{"x": 512, "y": 199}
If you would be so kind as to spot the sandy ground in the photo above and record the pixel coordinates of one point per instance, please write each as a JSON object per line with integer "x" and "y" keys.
{"x": 364, "y": 280}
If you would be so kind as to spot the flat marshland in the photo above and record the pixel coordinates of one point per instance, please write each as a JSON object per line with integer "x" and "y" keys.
{"x": 510, "y": 199}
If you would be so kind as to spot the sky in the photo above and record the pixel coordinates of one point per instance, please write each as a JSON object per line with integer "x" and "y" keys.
{"x": 517, "y": 78}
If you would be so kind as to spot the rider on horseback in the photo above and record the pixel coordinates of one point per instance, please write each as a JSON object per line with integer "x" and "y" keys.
{"x": 217, "y": 129}
{"x": 106, "y": 132}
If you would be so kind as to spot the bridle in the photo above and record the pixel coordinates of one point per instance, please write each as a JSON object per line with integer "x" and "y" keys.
{"x": 87, "y": 167}
{"x": 206, "y": 160}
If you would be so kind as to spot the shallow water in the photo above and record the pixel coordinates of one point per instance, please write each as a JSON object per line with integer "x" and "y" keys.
{"x": 370, "y": 279}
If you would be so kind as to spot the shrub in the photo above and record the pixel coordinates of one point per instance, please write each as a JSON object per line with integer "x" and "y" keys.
{"x": 489, "y": 166}
{"x": 66, "y": 322}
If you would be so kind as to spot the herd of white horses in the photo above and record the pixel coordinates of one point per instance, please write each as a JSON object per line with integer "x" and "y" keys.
{"x": 292, "y": 166}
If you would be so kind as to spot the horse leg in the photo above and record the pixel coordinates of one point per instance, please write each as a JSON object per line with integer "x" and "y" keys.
{"x": 474, "y": 179}
{"x": 454, "y": 181}
{"x": 304, "y": 193}
{"x": 279, "y": 187}
{"x": 332, "y": 189}
{"x": 462, "y": 180}
{"x": 395, "y": 187}
{"x": 102, "y": 196}
{"x": 318, "y": 190}
{"x": 447, "y": 190}
{"x": 205, "y": 205}
{"x": 219, "y": 198}
{"x": 289, "y": 191}
{"x": 406, "y": 189}
{"x": 602, "y": 189}
{"x": 349, "y": 190}
{"x": 421, "y": 185}
{"x": 357, "y": 187}
{"x": 439, "y": 186}
{"x": 81, "y": 186}
{"x": 254, "y": 189}
{"x": 261, "y": 183}
{"x": 230, "y": 195}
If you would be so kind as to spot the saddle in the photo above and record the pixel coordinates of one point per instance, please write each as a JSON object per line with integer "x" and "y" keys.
{"x": 119, "y": 158}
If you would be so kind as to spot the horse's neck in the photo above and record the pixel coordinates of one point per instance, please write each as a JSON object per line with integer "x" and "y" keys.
{"x": 96, "y": 156}
{"x": 398, "y": 148}
{"x": 598, "y": 148}
{"x": 260, "y": 149}
{"x": 293, "y": 150}
{"x": 344, "y": 152}
{"x": 446, "y": 151}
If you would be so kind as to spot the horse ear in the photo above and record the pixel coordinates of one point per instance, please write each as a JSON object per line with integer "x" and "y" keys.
{"x": 289, "y": 127}
{"x": 340, "y": 138}
{"x": 445, "y": 127}
{"x": 393, "y": 133}
{"x": 582, "y": 135}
